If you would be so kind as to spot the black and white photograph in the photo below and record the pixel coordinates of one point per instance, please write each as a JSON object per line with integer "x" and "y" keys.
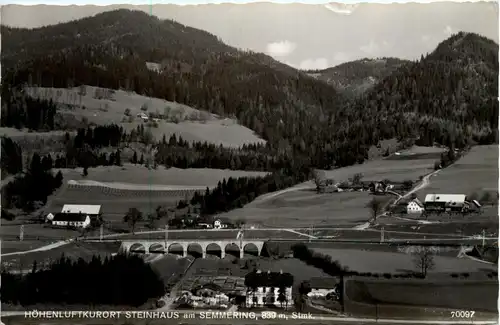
{"x": 257, "y": 163}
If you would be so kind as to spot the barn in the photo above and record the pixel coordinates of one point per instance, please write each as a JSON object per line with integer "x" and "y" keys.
{"x": 444, "y": 202}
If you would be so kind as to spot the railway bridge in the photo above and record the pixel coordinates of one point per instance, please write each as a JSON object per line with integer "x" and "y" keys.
{"x": 184, "y": 247}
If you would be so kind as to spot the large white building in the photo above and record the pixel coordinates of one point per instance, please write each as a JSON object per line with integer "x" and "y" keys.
{"x": 263, "y": 289}
{"x": 445, "y": 202}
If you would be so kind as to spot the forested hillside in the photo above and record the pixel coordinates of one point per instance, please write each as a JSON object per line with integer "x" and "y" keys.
{"x": 448, "y": 96}
{"x": 356, "y": 77}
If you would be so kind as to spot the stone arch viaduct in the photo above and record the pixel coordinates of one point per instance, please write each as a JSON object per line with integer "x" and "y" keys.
{"x": 224, "y": 246}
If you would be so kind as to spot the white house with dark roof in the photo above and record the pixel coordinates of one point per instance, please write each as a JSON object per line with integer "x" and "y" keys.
{"x": 415, "y": 206}
{"x": 77, "y": 220}
{"x": 74, "y": 215}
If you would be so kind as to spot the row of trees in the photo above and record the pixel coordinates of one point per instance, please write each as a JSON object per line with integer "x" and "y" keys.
{"x": 90, "y": 283}
{"x": 30, "y": 190}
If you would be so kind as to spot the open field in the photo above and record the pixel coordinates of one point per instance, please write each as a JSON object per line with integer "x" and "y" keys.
{"x": 301, "y": 206}
{"x": 417, "y": 152}
{"x": 190, "y": 123}
{"x": 477, "y": 171}
{"x": 469, "y": 226}
{"x": 170, "y": 267}
{"x": 117, "y": 189}
{"x": 305, "y": 208}
{"x": 387, "y": 262}
{"x": 135, "y": 174}
{"x": 421, "y": 298}
{"x": 396, "y": 170}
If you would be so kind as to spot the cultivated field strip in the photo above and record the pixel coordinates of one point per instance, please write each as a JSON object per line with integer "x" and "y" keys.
{"x": 116, "y": 192}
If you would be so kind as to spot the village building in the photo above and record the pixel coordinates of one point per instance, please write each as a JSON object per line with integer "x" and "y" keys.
{"x": 77, "y": 220}
{"x": 263, "y": 289}
{"x": 415, "y": 206}
{"x": 321, "y": 287}
{"x": 445, "y": 202}
{"x": 72, "y": 215}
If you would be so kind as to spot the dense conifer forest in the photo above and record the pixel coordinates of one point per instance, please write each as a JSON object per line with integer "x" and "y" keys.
{"x": 81, "y": 282}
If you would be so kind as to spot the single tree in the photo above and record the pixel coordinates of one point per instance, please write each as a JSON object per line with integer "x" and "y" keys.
{"x": 375, "y": 206}
{"x": 318, "y": 177}
{"x": 282, "y": 295}
{"x": 304, "y": 289}
{"x": 132, "y": 217}
{"x": 423, "y": 257}
{"x": 151, "y": 221}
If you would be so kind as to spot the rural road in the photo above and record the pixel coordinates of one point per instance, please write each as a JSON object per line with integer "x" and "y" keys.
{"x": 315, "y": 319}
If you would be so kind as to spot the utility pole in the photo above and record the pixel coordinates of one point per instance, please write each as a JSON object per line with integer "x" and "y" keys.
{"x": 101, "y": 232}
{"x": 484, "y": 235}
{"x": 21, "y": 233}
{"x": 382, "y": 235}
{"x": 166, "y": 238}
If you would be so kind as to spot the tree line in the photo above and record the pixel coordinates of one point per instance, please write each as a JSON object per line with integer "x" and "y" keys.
{"x": 31, "y": 189}
{"x": 94, "y": 282}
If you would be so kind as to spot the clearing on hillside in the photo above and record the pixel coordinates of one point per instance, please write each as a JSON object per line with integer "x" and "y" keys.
{"x": 137, "y": 174}
{"x": 105, "y": 106}
{"x": 117, "y": 189}
{"x": 475, "y": 172}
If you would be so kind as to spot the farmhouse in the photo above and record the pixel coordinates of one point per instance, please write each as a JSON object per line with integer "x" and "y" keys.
{"x": 322, "y": 287}
{"x": 263, "y": 289}
{"x": 77, "y": 220}
{"x": 415, "y": 206}
{"x": 445, "y": 202}
{"x": 79, "y": 216}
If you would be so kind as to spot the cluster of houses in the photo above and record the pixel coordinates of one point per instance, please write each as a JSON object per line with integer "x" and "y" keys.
{"x": 262, "y": 289}
{"x": 330, "y": 186}
{"x": 436, "y": 203}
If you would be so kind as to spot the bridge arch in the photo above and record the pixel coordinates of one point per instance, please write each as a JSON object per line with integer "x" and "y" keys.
{"x": 196, "y": 250}
{"x": 214, "y": 249}
{"x": 137, "y": 248}
{"x": 176, "y": 249}
{"x": 156, "y": 248}
{"x": 233, "y": 249}
{"x": 251, "y": 249}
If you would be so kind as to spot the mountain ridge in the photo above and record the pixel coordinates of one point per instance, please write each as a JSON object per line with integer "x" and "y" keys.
{"x": 298, "y": 115}
{"x": 356, "y": 77}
